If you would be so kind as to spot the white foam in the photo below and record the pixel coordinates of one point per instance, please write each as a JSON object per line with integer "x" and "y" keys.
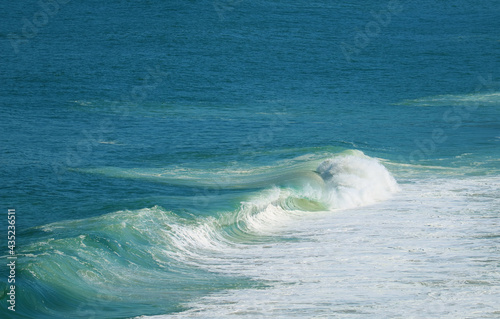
{"x": 355, "y": 180}
{"x": 431, "y": 251}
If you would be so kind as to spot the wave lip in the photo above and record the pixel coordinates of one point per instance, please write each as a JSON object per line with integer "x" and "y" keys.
{"x": 347, "y": 180}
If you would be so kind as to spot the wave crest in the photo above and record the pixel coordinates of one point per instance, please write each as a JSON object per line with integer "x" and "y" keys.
{"x": 355, "y": 180}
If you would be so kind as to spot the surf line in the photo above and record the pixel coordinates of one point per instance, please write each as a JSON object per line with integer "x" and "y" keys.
{"x": 11, "y": 245}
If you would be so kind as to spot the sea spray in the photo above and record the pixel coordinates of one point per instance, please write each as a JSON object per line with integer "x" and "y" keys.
{"x": 355, "y": 180}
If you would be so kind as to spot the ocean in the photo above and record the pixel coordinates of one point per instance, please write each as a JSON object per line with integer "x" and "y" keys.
{"x": 250, "y": 159}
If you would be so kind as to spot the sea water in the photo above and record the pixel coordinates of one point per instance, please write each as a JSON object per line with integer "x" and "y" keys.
{"x": 286, "y": 159}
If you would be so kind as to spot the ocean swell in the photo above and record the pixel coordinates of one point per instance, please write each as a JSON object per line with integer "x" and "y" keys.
{"x": 126, "y": 254}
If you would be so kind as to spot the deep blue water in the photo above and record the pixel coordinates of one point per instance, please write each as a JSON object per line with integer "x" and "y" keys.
{"x": 130, "y": 128}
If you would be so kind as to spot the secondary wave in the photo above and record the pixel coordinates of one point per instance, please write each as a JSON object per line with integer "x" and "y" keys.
{"x": 473, "y": 99}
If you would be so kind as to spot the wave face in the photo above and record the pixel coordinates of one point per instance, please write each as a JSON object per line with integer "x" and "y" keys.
{"x": 132, "y": 257}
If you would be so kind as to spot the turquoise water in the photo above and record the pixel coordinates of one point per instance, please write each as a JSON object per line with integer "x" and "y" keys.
{"x": 251, "y": 159}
